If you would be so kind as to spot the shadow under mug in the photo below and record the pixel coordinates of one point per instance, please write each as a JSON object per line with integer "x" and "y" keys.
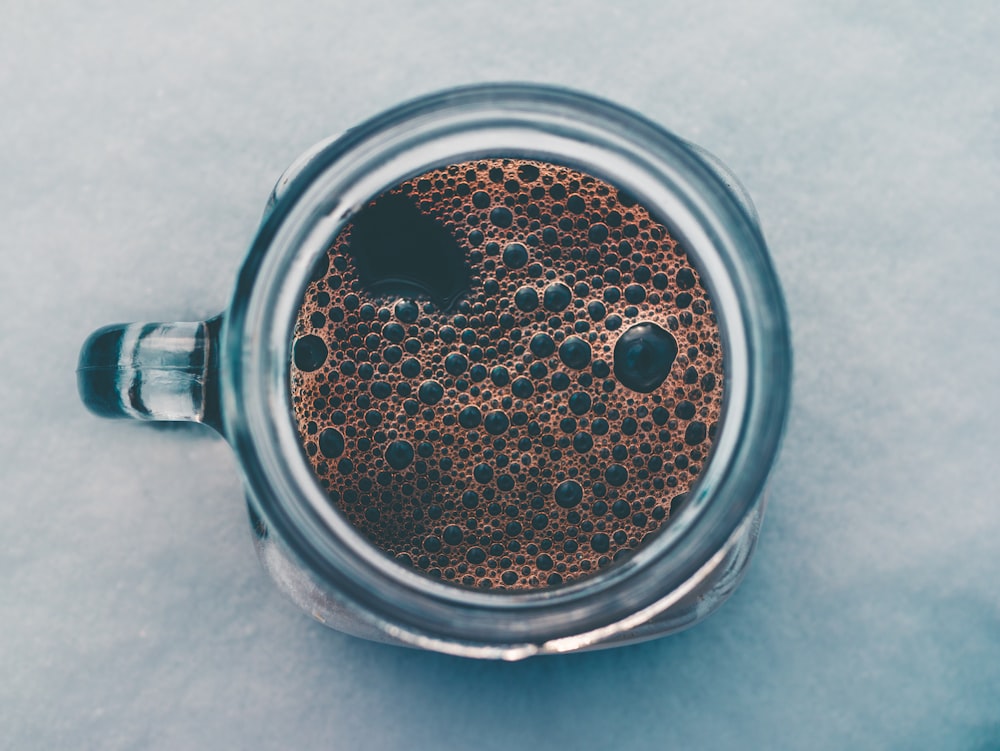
{"x": 232, "y": 373}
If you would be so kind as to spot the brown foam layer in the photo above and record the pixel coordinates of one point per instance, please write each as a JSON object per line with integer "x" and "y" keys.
{"x": 492, "y": 445}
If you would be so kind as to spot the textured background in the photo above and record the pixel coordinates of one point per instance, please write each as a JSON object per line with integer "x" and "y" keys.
{"x": 137, "y": 147}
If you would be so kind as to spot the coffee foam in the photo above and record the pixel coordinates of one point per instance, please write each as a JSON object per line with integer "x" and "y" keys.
{"x": 495, "y": 444}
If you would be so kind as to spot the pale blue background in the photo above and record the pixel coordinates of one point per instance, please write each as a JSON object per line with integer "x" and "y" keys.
{"x": 138, "y": 142}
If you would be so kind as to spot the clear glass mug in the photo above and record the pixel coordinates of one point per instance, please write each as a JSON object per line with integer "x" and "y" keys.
{"x": 232, "y": 373}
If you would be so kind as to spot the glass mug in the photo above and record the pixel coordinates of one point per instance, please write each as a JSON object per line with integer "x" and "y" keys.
{"x": 233, "y": 373}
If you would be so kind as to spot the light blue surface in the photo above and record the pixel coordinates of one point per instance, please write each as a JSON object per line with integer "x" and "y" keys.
{"x": 138, "y": 146}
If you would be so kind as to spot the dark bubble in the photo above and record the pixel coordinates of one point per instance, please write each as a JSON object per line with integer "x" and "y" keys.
{"x": 452, "y": 534}
{"x": 331, "y": 443}
{"x": 515, "y": 255}
{"x": 621, "y": 509}
{"x": 695, "y": 433}
{"x": 626, "y": 199}
{"x": 635, "y": 293}
{"x": 496, "y": 422}
{"x": 526, "y": 299}
{"x": 556, "y": 297}
{"x": 600, "y": 542}
{"x": 502, "y": 218}
{"x": 583, "y": 442}
{"x": 430, "y": 392}
{"x": 684, "y": 410}
{"x": 309, "y": 353}
{"x": 475, "y": 556}
{"x": 477, "y": 373}
{"x": 575, "y": 353}
{"x": 643, "y": 356}
{"x": 394, "y": 332}
{"x": 455, "y": 364}
{"x": 538, "y": 370}
{"x": 500, "y": 376}
{"x": 410, "y": 367}
{"x": 685, "y": 278}
{"x": 432, "y": 544}
{"x": 381, "y": 390}
{"x": 541, "y": 345}
{"x": 528, "y": 172}
{"x": 480, "y": 199}
{"x": 560, "y": 381}
{"x": 597, "y": 233}
{"x": 579, "y": 403}
{"x": 407, "y": 311}
{"x": 373, "y": 417}
{"x": 575, "y": 204}
{"x": 470, "y": 499}
{"x": 616, "y": 475}
{"x": 522, "y": 388}
{"x": 483, "y": 473}
{"x": 470, "y": 417}
{"x": 399, "y": 454}
{"x": 569, "y": 494}
{"x": 596, "y": 310}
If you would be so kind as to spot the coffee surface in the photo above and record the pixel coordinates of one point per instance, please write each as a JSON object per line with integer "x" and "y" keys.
{"x": 506, "y": 373}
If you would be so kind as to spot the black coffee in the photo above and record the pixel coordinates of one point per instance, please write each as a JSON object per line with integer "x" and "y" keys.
{"x": 506, "y": 373}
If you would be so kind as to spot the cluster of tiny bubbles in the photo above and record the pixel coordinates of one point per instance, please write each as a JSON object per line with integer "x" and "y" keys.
{"x": 528, "y": 395}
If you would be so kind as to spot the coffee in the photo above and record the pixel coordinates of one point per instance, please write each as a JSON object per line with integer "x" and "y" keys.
{"x": 506, "y": 373}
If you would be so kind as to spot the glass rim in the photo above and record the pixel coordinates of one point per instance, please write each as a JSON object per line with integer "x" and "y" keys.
{"x": 634, "y": 153}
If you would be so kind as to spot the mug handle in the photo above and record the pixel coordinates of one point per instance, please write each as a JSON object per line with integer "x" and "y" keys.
{"x": 165, "y": 372}
{"x": 153, "y": 371}
{"x": 169, "y": 371}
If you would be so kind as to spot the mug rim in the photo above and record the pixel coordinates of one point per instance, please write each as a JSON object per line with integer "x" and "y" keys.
{"x": 381, "y": 590}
